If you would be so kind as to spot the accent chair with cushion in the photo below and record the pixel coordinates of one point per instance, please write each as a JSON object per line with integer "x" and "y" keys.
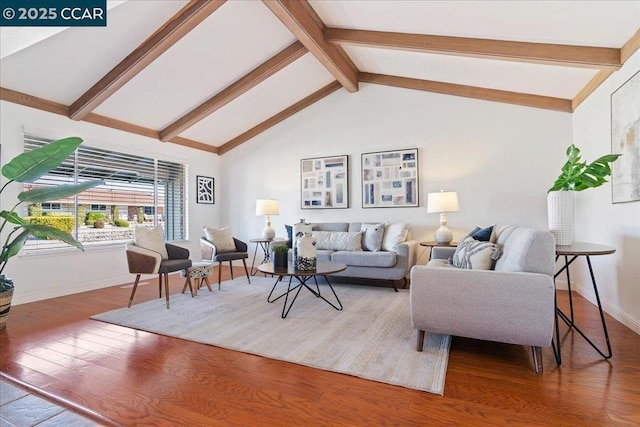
{"x": 218, "y": 245}
{"x": 509, "y": 300}
{"x": 149, "y": 254}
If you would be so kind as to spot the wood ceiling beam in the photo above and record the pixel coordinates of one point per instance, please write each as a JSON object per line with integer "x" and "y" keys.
{"x": 300, "y": 18}
{"x": 159, "y": 42}
{"x": 284, "y": 114}
{"x": 494, "y": 95}
{"x": 63, "y": 110}
{"x": 542, "y": 53}
{"x": 630, "y": 47}
{"x": 593, "y": 84}
{"x": 244, "y": 84}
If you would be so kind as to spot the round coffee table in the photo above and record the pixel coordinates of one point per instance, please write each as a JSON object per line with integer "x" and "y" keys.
{"x": 302, "y": 276}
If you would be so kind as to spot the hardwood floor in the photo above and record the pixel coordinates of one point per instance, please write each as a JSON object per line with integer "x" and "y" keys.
{"x": 137, "y": 378}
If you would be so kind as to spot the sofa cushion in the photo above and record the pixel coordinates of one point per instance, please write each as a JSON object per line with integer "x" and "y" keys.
{"x": 394, "y": 233}
{"x": 365, "y": 259}
{"x": 372, "y": 236}
{"x": 221, "y": 238}
{"x": 324, "y": 255}
{"x": 151, "y": 238}
{"x": 338, "y": 240}
{"x": 476, "y": 255}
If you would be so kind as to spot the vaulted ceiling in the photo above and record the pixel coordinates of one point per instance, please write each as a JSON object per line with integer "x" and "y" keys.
{"x": 212, "y": 74}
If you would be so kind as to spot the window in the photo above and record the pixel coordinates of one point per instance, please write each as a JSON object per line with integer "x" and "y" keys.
{"x": 137, "y": 190}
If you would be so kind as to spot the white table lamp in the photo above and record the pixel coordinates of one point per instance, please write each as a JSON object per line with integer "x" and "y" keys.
{"x": 267, "y": 207}
{"x": 443, "y": 202}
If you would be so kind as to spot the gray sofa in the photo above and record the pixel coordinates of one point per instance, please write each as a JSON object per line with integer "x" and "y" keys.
{"x": 382, "y": 265}
{"x": 513, "y": 303}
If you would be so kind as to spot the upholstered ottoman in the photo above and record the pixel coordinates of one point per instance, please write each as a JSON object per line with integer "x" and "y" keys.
{"x": 199, "y": 272}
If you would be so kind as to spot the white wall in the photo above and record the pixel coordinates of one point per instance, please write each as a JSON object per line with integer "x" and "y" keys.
{"x": 598, "y": 220}
{"x": 46, "y": 276}
{"x": 501, "y": 159}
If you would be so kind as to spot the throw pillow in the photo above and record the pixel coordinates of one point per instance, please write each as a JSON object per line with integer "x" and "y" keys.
{"x": 338, "y": 240}
{"x": 221, "y": 238}
{"x": 151, "y": 238}
{"x": 483, "y": 234}
{"x": 372, "y": 236}
{"x": 394, "y": 233}
{"x": 476, "y": 255}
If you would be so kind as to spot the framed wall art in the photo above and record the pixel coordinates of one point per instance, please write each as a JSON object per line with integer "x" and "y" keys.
{"x": 625, "y": 140}
{"x": 324, "y": 182}
{"x": 390, "y": 179}
{"x": 205, "y": 188}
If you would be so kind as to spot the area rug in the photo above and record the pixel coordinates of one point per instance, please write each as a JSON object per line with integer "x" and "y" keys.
{"x": 371, "y": 337}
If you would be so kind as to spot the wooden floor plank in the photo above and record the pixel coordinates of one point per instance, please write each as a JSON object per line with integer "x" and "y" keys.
{"x": 135, "y": 377}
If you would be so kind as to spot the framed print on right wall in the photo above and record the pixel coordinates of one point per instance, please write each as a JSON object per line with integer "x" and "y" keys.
{"x": 390, "y": 179}
{"x": 625, "y": 140}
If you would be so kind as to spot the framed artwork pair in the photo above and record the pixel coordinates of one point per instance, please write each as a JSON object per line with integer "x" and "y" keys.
{"x": 389, "y": 179}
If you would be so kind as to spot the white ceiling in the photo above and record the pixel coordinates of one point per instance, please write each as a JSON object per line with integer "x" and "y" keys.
{"x": 241, "y": 35}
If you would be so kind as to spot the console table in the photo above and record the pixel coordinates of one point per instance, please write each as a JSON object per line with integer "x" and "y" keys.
{"x": 570, "y": 254}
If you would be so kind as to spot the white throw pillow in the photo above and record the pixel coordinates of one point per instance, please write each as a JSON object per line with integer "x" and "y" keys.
{"x": 475, "y": 254}
{"x": 372, "y": 236}
{"x": 394, "y": 233}
{"x": 222, "y": 239}
{"x": 338, "y": 240}
{"x": 152, "y": 239}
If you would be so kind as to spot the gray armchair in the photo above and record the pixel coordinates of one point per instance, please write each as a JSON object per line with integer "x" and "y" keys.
{"x": 145, "y": 261}
{"x": 209, "y": 252}
{"x": 514, "y": 303}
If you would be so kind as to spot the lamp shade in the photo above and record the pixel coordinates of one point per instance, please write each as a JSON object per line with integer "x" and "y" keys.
{"x": 443, "y": 201}
{"x": 267, "y": 207}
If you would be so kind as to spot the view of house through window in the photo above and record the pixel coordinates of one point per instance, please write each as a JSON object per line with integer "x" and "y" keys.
{"x": 137, "y": 191}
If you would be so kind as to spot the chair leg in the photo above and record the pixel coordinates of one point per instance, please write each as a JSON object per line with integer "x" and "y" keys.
{"x": 245, "y": 270}
{"x": 420, "y": 340}
{"x": 160, "y": 285}
{"x": 231, "y": 269}
{"x": 537, "y": 359}
{"x": 133, "y": 291}
{"x": 219, "y": 273}
{"x": 206, "y": 282}
{"x": 166, "y": 288}
{"x": 188, "y": 280}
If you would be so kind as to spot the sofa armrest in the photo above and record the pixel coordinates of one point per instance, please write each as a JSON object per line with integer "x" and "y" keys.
{"x": 407, "y": 253}
{"x": 510, "y": 307}
{"x": 207, "y": 250}
{"x": 442, "y": 252}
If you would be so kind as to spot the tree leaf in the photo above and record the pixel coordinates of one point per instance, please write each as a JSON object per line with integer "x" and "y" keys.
{"x": 51, "y": 233}
{"x": 39, "y": 195}
{"x": 29, "y": 166}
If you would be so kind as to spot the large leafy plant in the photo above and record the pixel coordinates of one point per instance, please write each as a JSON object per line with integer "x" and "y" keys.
{"x": 28, "y": 167}
{"x": 578, "y": 176}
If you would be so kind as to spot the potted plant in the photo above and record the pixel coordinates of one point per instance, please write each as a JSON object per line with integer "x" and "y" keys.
{"x": 280, "y": 257}
{"x": 28, "y": 167}
{"x": 575, "y": 176}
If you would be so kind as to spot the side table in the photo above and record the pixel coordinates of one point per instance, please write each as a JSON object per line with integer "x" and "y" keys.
{"x": 576, "y": 250}
{"x": 432, "y": 244}
{"x": 266, "y": 255}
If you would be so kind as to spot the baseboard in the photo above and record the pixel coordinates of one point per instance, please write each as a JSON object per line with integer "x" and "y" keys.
{"x": 612, "y": 310}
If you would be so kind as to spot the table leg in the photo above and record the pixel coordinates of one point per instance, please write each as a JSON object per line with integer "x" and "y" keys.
{"x": 570, "y": 320}
{"x": 266, "y": 256}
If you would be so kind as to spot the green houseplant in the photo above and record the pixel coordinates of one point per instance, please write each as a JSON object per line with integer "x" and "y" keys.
{"x": 28, "y": 167}
{"x": 280, "y": 256}
{"x": 576, "y": 175}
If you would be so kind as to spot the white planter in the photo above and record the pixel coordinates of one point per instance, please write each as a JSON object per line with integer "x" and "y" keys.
{"x": 560, "y": 216}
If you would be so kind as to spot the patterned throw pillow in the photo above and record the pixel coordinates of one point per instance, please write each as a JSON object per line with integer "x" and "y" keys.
{"x": 151, "y": 238}
{"x": 394, "y": 233}
{"x": 372, "y": 235}
{"x": 221, "y": 238}
{"x": 476, "y": 255}
{"x": 338, "y": 240}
